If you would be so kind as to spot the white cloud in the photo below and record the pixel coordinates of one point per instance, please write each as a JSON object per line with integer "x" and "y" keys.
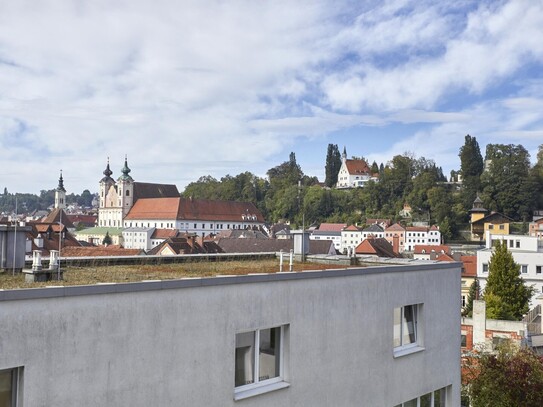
{"x": 210, "y": 87}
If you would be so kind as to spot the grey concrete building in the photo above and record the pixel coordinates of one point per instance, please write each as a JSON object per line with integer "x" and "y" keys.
{"x": 12, "y": 246}
{"x": 376, "y": 336}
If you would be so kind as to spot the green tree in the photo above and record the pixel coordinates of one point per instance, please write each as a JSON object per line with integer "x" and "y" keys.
{"x": 506, "y": 295}
{"x": 333, "y": 164}
{"x": 511, "y": 377}
{"x": 471, "y": 168}
{"x": 507, "y": 185}
{"x": 473, "y": 294}
{"x": 107, "y": 240}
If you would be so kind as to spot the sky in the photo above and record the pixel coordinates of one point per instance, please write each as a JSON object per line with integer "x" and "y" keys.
{"x": 192, "y": 88}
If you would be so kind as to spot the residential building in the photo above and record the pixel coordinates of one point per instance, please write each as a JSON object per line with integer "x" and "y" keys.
{"x": 354, "y": 173}
{"x": 351, "y": 237}
{"x": 535, "y": 228}
{"x": 425, "y": 251}
{"x": 496, "y": 223}
{"x": 373, "y": 230}
{"x": 329, "y": 231}
{"x": 96, "y": 235}
{"x": 421, "y": 235}
{"x": 377, "y": 247}
{"x": 469, "y": 274}
{"x": 527, "y": 252}
{"x": 396, "y": 233}
{"x": 383, "y": 336}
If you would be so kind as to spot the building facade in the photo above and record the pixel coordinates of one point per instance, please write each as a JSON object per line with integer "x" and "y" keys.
{"x": 378, "y": 336}
{"x": 527, "y": 252}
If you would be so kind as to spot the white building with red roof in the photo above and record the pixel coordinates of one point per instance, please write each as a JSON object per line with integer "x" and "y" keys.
{"x": 351, "y": 237}
{"x": 354, "y": 173}
{"x": 145, "y": 207}
{"x": 329, "y": 231}
{"x": 421, "y": 235}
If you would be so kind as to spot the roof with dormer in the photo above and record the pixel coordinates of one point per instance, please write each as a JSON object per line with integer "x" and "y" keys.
{"x": 357, "y": 167}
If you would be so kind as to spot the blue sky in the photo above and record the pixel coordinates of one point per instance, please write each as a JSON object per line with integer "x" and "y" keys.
{"x": 192, "y": 88}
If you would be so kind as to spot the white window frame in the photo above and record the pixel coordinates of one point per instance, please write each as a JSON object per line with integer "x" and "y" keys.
{"x": 263, "y": 386}
{"x": 416, "y": 345}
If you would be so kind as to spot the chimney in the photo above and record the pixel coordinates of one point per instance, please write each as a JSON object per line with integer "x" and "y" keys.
{"x": 38, "y": 241}
{"x": 396, "y": 244}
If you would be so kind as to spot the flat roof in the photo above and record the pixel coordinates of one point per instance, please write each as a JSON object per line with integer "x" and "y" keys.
{"x": 191, "y": 282}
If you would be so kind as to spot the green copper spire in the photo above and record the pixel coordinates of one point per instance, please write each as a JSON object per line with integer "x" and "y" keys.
{"x": 125, "y": 171}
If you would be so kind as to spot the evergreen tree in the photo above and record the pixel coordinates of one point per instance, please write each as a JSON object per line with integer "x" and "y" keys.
{"x": 471, "y": 168}
{"x": 473, "y": 294}
{"x": 107, "y": 240}
{"x": 506, "y": 294}
{"x": 374, "y": 168}
{"x": 333, "y": 164}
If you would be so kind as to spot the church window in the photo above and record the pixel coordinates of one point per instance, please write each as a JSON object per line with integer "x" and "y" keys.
{"x": 127, "y": 192}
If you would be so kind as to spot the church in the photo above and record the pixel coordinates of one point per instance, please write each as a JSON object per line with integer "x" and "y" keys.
{"x": 125, "y": 203}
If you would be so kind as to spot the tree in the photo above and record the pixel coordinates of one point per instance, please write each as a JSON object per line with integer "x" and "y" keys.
{"x": 507, "y": 185}
{"x": 107, "y": 240}
{"x": 471, "y": 168}
{"x": 473, "y": 294}
{"x": 333, "y": 164}
{"x": 511, "y": 377}
{"x": 506, "y": 294}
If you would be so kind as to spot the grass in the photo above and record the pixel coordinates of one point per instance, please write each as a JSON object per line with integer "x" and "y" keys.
{"x": 126, "y": 274}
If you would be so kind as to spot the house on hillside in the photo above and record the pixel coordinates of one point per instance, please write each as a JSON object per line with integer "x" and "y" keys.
{"x": 354, "y": 173}
{"x": 481, "y": 221}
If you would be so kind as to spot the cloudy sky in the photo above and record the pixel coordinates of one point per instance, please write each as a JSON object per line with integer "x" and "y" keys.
{"x": 191, "y": 88}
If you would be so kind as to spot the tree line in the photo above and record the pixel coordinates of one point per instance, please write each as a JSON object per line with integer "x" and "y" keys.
{"x": 504, "y": 180}
{"x": 28, "y": 203}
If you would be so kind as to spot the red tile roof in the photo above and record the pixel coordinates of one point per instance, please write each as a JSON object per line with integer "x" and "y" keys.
{"x": 376, "y": 246}
{"x": 444, "y": 257}
{"x": 352, "y": 228}
{"x": 395, "y": 227}
{"x": 470, "y": 266}
{"x": 193, "y": 209}
{"x": 164, "y": 233}
{"x": 427, "y": 249}
{"x": 332, "y": 227}
{"x": 357, "y": 167}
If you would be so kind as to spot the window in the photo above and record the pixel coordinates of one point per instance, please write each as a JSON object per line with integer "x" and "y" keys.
{"x": 434, "y": 399}
{"x": 463, "y": 340}
{"x": 518, "y": 244}
{"x": 485, "y": 267}
{"x": 9, "y": 392}
{"x": 511, "y": 243}
{"x": 491, "y": 226}
{"x": 502, "y": 227}
{"x": 538, "y": 269}
{"x": 406, "y": 332}
{"x": 524, "y": 268}
{"x": 259, "y": 361}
